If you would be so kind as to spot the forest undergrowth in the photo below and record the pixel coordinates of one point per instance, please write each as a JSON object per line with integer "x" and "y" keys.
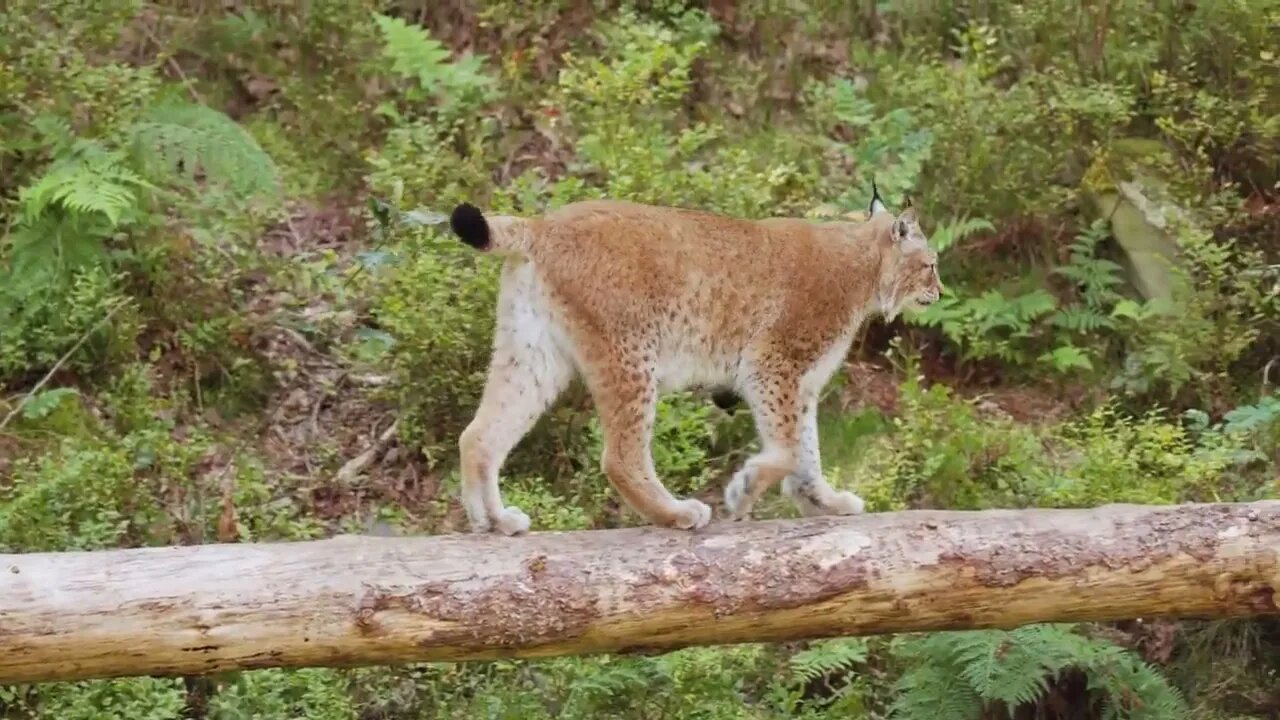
{"x": 229, "y": 311}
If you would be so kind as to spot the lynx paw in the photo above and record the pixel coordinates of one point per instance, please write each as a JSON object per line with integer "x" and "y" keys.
{"x": 846, "y": 503}
{"x": 691, "y": 515}
{"x": 512, "y": 521}
{"x": 736, "y": 500}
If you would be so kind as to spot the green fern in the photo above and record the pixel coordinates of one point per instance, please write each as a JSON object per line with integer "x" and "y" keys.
{"x": 963, "y": 671}
{"x": 416, "y": 55}
{"x": 1131, "y": 689}
{"x": 948, "y": 234}
{"x": 827, "y": 658}
{"x": 990, "y": 324}
{"x": 937, "y": 692}
{"x": 93, "y": 187}
{"x": 182, "y": 141}
{"x": 88, "y": 179}
{"x": 1095, "y": 278}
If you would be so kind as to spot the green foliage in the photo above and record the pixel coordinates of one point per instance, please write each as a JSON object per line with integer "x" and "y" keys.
{"x": 825, "y": 679}
{"x": 180, "y": 141}
{"x": 1096, "y": 279}
{"x": 71, "y": 216}
{"x": 1106, "y": 449}
{"x": 947, "y": 234}
{"x": 437, "y": 306}
{"x": 38, "y": 325}
{"x": 133, "y": 481}
{"x": 1223, "y": 296}
{"x": 1257, "y": 418}
{"x": 989, "y": 325}
{"x": 124, "y": 188}
{"x": 941, "y": 452}
{"x": 623, "y": 108}
{"x": 683, "y": 434}
{"x": 458, "y": 86}
{"x": 892, "y": 146}
{"x": 958, "y": 674}
{"x": 120, "y": 699}
{"x": 45, "y": 402}
{"x": 87, "y": 180}
{"x": 311, "y": 693}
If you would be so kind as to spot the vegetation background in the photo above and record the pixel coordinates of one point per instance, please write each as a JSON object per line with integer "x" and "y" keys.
{"x": 228, "y": 311}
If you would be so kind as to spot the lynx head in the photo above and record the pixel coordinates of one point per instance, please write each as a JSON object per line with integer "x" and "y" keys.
{"x": 909, "y": 271}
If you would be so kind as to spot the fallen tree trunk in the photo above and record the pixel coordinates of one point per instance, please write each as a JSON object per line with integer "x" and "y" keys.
{"x": 362, "y": 600}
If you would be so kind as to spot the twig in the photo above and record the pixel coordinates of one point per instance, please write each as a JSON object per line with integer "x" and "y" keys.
{"x": 358, "y": 463}
{"x": 173, "y": 63}
{"x": 58, "y": 365}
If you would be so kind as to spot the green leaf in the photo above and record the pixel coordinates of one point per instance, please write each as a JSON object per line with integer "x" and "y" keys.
{"x": 45, "y": 402}
{"x": 1066, "y": 357}
{"x": 423, "y": 218}
{"x": 1250, "y": 418}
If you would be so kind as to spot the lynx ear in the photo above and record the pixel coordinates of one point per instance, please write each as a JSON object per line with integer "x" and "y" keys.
{"x": 903, "y": 223}
{"x": 877, "y": 205}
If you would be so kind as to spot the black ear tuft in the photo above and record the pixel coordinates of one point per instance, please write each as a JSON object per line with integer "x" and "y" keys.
{"x": 469, "y": 225}
{"x": 877, "y": 203}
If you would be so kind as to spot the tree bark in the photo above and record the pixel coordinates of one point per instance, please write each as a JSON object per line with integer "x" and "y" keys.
{"x": 356, "y": 600}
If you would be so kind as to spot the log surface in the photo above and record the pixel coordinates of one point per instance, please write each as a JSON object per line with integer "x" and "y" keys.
{"x": 355, "y": 600}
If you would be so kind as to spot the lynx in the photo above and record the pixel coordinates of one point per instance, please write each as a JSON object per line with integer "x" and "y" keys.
{"x": 641, "y": 300}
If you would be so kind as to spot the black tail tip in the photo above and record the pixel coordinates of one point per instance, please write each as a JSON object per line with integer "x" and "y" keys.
{"x": 469, "y": 225}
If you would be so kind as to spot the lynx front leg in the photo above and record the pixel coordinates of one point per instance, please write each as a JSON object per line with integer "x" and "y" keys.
{"x": 806, "y": 486}
{"x": 776, "y": 405}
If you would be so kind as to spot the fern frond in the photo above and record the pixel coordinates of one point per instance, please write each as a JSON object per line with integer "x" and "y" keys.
{"x": 936, "y": 692}
{"x": 944, "y": 236}
{"x": 56, "y": 133}
{"x": 89, "y": 179}
{"x": 1081, "y": 319}
{"x": 1133, "y": 689}
{"x": 415, "y": 54}
{"x": 181, "y": 140}
{"x": 824, "y": 658}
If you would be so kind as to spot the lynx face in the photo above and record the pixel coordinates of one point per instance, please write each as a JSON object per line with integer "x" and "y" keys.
{"x": 910, "y": 277}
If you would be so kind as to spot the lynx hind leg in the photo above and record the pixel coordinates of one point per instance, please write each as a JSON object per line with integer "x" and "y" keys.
{"x": 526, "y": 375}
{"x": 776, "y": 406}
{"x": 806, "y": 486}
{"x": 625, "y": 393}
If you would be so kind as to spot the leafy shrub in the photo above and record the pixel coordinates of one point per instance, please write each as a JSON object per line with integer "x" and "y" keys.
{"x": 1101, "y": 455}
{"x": 1066, "y": 337}
{"x": 437, "y": 306}
{"x": 94, "y": 191}
{"x": 1222, "y": 296}
{"x": 458, "y": 86}
{"x": 312, "y": 693}
{"x": 891, "y": 147}
{"x": 683, "y": 433}
{"x": 623, "y": 108}
{"x": 120, "y": 699}
{"x": 940, "y": 452}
